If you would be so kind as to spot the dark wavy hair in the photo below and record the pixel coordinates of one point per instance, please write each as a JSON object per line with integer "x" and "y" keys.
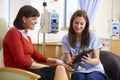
{"x": 25, "y": 11}
{"x": 85, "y": 38}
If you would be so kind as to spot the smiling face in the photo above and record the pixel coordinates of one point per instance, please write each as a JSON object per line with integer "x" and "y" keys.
{"x": 79, "y": 29}
{"x": 29, "y": 23}
{"x": 79, "y": 25}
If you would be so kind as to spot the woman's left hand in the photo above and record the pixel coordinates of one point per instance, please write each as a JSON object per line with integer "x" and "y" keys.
{"x": 86, "y": 59}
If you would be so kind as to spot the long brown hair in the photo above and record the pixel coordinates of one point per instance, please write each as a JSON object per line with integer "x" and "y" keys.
{"x": 85, "y": 38}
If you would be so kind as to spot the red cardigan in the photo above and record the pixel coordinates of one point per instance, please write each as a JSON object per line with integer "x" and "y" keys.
{"x": 18, "y": 51}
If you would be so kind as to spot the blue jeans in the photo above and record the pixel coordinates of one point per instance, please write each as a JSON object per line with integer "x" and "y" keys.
{"x": 89, "y": 76}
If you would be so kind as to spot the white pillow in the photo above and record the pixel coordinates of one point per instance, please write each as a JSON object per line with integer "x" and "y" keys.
{"x": 1, "y": 58}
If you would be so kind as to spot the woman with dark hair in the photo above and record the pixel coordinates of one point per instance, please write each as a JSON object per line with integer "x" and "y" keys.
{"x": 79, "y": 39}
{"x": 19, "y": 51}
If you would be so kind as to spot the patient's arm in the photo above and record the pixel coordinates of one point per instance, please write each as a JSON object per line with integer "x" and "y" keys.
{"x": 37, "y": 65}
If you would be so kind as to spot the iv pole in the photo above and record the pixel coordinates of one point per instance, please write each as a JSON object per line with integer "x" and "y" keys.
{"x": 43, "y": 46}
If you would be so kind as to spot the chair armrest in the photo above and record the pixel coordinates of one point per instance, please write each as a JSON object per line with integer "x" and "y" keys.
{"x": 18, "y": 72}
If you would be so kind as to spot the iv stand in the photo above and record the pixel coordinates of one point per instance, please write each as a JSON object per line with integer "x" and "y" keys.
{"x": 43, "y": 46}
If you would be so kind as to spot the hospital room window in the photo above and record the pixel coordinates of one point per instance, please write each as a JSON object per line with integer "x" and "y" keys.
{"x": 69, "y": 10}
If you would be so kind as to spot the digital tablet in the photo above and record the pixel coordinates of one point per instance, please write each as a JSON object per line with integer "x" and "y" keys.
{"x": 81, "y": 54}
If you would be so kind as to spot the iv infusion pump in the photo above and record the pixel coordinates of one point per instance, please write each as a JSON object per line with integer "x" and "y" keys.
{"x": 115, "y": 30}
{"x": 54, "y": 22}
{"x": 49, "y": 22}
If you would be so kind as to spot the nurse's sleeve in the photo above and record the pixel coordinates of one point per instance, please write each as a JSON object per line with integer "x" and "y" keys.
{"x": 65, "y": 45}
{"x": 95, "y": 41}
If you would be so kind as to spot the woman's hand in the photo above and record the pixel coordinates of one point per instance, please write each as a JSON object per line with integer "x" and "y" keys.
{"x": 69, "y": 68}
{"x": 72, "y": 59}
{"x": 92, "y": 61}
{"x": 86, "y": 59}
{"x": 74, "y": 56}
{"x": 60, "y": 62}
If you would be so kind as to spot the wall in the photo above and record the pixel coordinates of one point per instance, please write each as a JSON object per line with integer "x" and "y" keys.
{"x": 4, "y": 9}
{"x": 104, "y": 16}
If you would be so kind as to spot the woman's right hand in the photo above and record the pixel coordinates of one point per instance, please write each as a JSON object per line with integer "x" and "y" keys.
{"x": 69, "y": 68}
{"x": 74, "y": 56}
{"x": 72, "y": 59}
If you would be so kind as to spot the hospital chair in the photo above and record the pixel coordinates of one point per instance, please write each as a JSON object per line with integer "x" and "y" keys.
{"x": 7, "y": 73}
{"x": 111, "y": 64}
